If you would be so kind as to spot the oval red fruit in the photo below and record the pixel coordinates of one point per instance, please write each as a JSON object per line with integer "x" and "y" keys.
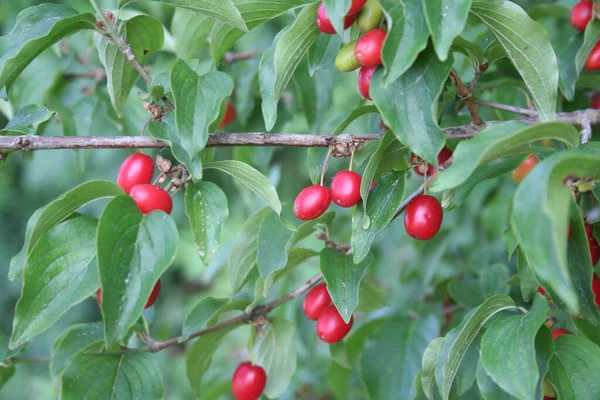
{"x": 541, "y": 291}
{"x": 593, "y": 242}
{"x": 138, "y": 168}
{"x": 365, "y": 75}
{"x": 248, "y": 381}
{"x": 149, "y": 198}
{"x": 423, "y": 217}
{"x": 312, "y": 202}
{"x": 345, "y": 188}
{"x": 324, "y": 23}
{"x": 356, "y": 6}
{"x": 581, "y": 15}
{"x": 559, "y": 332}
{"x": 316, "y": 300}
{"x": 522, "y": 170}
{"x": 444, "y": 155}
{"x": 229, "y": 116}
{"x": 596, "y": 102}
{"x": 593, "y": 61}
{"x": 151, "y": 300}
{"x": 331, "y": 327}
{"x": 368, "y": 48}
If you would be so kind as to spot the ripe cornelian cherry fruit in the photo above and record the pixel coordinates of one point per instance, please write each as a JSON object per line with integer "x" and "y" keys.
{"x": 149, "y": 198}
{"x": 229, "y": 116}
{"x": 149, "y": 303}
{"x": 443, "y": 156}
{"x": 324, "y": 23}
{"x": 596, "y": 289}
{"x": 581, "y": 15}
{"x": 316, "y": 300}
{"x": 312, "y": 202}
{"x": 559, "y": 332}
{"x": 423, "y": 217}
{"x": 331, "y": 327}
{"x": 593, "y": 242}
{"x": 248, "y": 381}
{"x": 593, "y": 61}
{"x": 541, "y": 291}
{"x": 365, "y": 75}
{"x": 356, "y": 6}
{"x": 596, "y": 102}
{"x": 138, "y": 168}
{"x": 522, "y": 170}
{"x": 345, "y": 188}
{"x": 447, "y": 310}
{"x": 368, "y": 48}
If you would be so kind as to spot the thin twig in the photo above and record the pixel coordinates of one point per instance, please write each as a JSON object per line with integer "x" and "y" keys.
{"x": 586, "y": 129}
{"x": 464, "y": 93}
{"x": 231, "y": 57}
{"x": 506, "y": 107}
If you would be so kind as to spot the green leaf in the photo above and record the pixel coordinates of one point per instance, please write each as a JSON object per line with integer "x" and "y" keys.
{"x": 539, "y": 221}
{"x": 197, "y": 100}
{"x": 527, "y": 279}
{"x": 251, "y": 178}
{"x": 6, "y": 373}
{"x": 222, "y": 10}
{"x": 336, "y": 11}
{"x": 430, "y": 356}
{"x": 322, "y": 54}
{"x": 133, "y": 252}
{"x": 36, "y": 29}
{"x": 27, "y": 120}
{"x": 145, "y": 35}
{"x": 407, "y": 37}
{"x": 200, "y": 354}
{"x": 281, "y": 60}
{"x": 572, "y": 369}
{"x": 190, "y": 31}
{"x": 124, "y": 376}
{"x": 458, "y": 340}
{"x": 206, "y": 208}
{"x": 528, "y": 47}
{"x": 489, "y": 389}
{"x": 343, "y": 279}
{"x": 573, "y": 59}
{"x": 243, "y": 253}
{"x": 446, "y": 19}
{"x": 409, "y": 105}
{"x": 384, "y": 200}
{"x": 206, "y": 313}
{"x": 371, "y": 296}
{"x": 495, "y": 142}
{"x": 73, "y": 341}
{"x": 59, "y": 274}
{"x": 255, "y": 13}
{"x": 517, "y": 374}
{"x": 5, "y": 352}
{"x": 46, "y": 218}
{"x": 275, "y": 352}
{"x": 295, "y": 258}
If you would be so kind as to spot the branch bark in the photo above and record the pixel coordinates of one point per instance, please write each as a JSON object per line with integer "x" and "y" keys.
{"x": 464, "y": 93}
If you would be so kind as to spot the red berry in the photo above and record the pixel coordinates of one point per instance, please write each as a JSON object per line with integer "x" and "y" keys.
{"x": 596, "y": 102}
{"x": 522, "y": 170}
{"x": 149, "y": 198}
{"x": 593, "y": 61}
{"x": 541, "y": 291}
{"x": 443, "y": 156}
{"x": 316, "y": 301}
{"x": 368, "y": 48}
{"x": 248, "y": 381}
{"x": 331, "y": 327}
{"x": 324, "y": 23}
{"x": 581, "y": 15}
{"x": 373, "y": 184}
{"x": 364, "y": 81}
{"x": 423, "y": 217}
{"x": 447, "y": 312}
{"x": 593, "y": 242}
{"x": 345, "y": 188}
{"x": 229, "y": 116}
{"x": 356, "y": 6}
{"x": 138, "y": 168}
{"x": 312, "y": 202}
{"x": 596, "y": 289}
{"x": 559, "y": 332}
{"x": 149, "y": 303}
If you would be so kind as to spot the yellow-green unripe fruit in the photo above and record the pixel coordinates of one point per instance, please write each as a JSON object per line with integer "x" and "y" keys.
{"x": 345, "y": 60}
{"x": 370, "y": 16}
{"x": 548, "y": 389}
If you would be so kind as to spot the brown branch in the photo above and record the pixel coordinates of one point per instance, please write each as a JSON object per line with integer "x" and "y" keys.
{"x": 596, "y": 11}
{"x": 464, "y": 93}
{"x": 505, "y": 107}
{"x": 231, "y": 57}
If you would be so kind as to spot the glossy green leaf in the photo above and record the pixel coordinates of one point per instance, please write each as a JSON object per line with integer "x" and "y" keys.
{"x": 125, "y": 376}
{"x": 46, "y": 218}
{"x": 207, "y": 311}
{"x": 429, "y": 360}
{"x": 254, "y": 12}
{"x": 145, "y": 35}
{"x": 60, "y": 272}
{"x": 207, "y": 210}
{"x": 343, "y": 279}
{"x": 539, "y": 220}
{"x": 275, "y": 352}
{"x": 544, "y": 350}
{"x": 409, "y": 105}
{"x": 73, "y": 341}
{"x": 398, "y": 346}
{"x": 190, "y": 32}
{"x": 574, "y": 56}
{"x": 281, "y": 60}
{"x": 133, "y": 252}
{"x": 27, "y": 120}
{"x": 446, "y": 19}
{"x": 489, "y": 389}
{"x": 458, "y": 340}
{"x": 336, "y": 11}
{"x": 518, "y": 374}
{"x": 384, "y": 200}
{"x": 36, "y": 29}
{"x": 528, "y": 47}
{"x": 251, "y": 178}
{"x": 495, "y": 142}
{"x": 295, "y": 258}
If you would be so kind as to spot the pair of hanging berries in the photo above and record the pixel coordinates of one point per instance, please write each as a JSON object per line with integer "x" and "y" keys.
{"x": 331, "y": 327}
{"x": 581, "y": 15}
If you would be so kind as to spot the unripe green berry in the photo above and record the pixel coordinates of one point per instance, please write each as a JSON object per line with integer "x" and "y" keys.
{"x": 548, "y": 389}
{"x": 345, "y": 60}
{"x": 370, "y": 16}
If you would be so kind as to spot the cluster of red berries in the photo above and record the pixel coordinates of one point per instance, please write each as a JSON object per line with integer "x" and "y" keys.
{"x": 364, "y": 53}
{"x": 317, "y": 306}
{"x": 581, "y": 15}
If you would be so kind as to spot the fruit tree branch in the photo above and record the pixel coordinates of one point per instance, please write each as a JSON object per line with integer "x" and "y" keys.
{"x": 464, "y": 93}
{"x": 505, "y": 107}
